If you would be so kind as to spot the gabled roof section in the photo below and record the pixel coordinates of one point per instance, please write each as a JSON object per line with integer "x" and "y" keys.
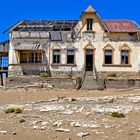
{"x": 121, "y": 26}
{"x": 44, "y": 25}
{"x": 90, "y": 9}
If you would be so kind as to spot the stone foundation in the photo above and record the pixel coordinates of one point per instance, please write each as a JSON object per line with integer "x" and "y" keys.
{"x": 26, "y": 69}
{"x": 61, "y": 74}
{"x": 121, "y": 75}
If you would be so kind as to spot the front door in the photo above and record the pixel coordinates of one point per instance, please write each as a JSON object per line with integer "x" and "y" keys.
{"x": 89, "y": 60}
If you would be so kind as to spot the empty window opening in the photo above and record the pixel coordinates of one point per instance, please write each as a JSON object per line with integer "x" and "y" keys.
{"x": 30, "y": 57}
{"x": 70, "y": 56}
{"x": 56, "y": 56}
{"x": 89, "y": 24}
{"x": 125, "y": 57}
{"x": 108, "y": 56}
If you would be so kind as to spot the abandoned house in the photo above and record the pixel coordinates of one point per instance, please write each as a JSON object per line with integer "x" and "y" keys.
{"x": 4, "y": 49}
{"x": 107, "y": 48}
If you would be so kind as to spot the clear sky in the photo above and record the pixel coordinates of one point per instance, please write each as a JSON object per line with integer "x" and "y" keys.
{"x": 12, "y": 11}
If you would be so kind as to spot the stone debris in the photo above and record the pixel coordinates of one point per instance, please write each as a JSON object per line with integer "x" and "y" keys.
{"x": 36, "y": 127}
{"x": 38, "y": 121}
{"x": 44, "y": 123}
{"x": 90, "y": 125}
{"x": 63, "y": 130}
{"x": 82, "y": 134}
{"x": 3, "y": 132}
{"x": 67, "y": 112}
{"x": 58, "y": 123}
{"x": 14, "y": 133}
{"x": 47, "y": 108}
{"x": 42, "y": 128}
{"x": 79, "y": 110}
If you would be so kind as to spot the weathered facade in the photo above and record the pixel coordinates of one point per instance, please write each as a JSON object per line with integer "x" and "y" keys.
{"x": 106, "y": 47}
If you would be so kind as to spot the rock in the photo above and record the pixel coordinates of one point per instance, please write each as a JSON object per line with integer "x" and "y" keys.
{"x": 42, "y": 128}
{"x": 38, "y": 121}
{"x": 14, "y": 133}
{"x": 80, "y": 109}
{"x": 91, "y": 125}
{"x": 58, "y": 123}
{"x": 67, "y": 112}
{"x": 81, "y": 134}
{"x": 3, "y": 132}
{"x": 35, "y": 127}
{"x": 139, "y": 130}
{"x": 63, "y": 130}
{"x": 44, "y": 123}
{"x": 47, "y": 108}
{"x": 76, "y": 124}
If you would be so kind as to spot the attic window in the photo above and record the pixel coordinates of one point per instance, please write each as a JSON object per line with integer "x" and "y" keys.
{"x": 89, "y": 24}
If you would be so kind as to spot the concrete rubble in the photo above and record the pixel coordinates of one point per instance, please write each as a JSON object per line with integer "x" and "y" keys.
{"x": 82, "y": 134}
{"x": 62, "y": 130}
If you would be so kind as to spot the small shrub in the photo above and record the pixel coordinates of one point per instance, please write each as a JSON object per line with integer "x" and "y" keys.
{"x": 9, "y": 110}
{"x": 118, "y": 115}
{"x": 22, "y": 120}
{"x": 44, "y": 74}
{"x": 18, "y": 110}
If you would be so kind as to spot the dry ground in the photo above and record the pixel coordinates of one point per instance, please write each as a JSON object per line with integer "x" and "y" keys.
{"x": 77, "y": 111}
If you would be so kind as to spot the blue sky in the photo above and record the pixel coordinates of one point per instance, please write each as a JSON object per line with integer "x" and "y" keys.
{"x": 12, "y": 11}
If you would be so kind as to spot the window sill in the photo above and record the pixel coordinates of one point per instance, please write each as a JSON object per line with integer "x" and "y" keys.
{"x": 119, "y": 65}
{"x": 68, "y": 65}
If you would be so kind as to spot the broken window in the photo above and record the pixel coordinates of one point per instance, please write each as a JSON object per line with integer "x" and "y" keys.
{"x": 108, "y": 56}
{"x": 124, "y": 56}
{"x": 56, "y": 56}
{"x": 89, "y": 24}
{"x": 30, "y": 57}
{"x": 70, "y": 56}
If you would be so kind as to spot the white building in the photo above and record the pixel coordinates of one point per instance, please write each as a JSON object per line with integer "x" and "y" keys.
{"x": 107, "y": 47}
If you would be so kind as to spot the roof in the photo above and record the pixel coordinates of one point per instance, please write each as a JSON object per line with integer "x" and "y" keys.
{"x": 90, "y": 9}
{"x": 44, "y": 25}
{"x": 27, "y": 46}
{"x": 121, "y": 25}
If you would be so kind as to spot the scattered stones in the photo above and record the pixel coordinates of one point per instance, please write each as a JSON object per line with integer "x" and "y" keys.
{"x": 36, "y": 127}
{"x": 67, "y": 112}
{"x": 47, "y": 108}
{"x": 58, "y": 123}
{"x": 63, "y": 130}
{"x": 139, "y": 130}
{"x": 3, "y": 132}
{"x": 14, "y": 133}
{"x": 42, "y": 128}
{"x": 82, "y": 134}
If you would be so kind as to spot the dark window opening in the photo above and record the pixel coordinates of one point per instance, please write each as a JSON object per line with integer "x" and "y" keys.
{"x": 56, "y": 56}
{"x": 108, "y": 56}
{"x": 89, "y": 24}
{"x": 124, "y": 57}
{"x": 70, "y": 56}
{"x": 30, "y": 57}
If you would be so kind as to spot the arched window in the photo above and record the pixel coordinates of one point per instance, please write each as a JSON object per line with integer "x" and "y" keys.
{"x": 125, "y": 54}
{"x": 56, "y": 54}
{"x": 70, "y": 52}
{"x": 108, "y": 54}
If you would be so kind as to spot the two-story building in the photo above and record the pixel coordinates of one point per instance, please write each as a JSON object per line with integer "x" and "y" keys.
{"x": 109, "y": 47}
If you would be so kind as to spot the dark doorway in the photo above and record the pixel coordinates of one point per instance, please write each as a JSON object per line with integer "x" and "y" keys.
{"x": 89, "y": 60}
